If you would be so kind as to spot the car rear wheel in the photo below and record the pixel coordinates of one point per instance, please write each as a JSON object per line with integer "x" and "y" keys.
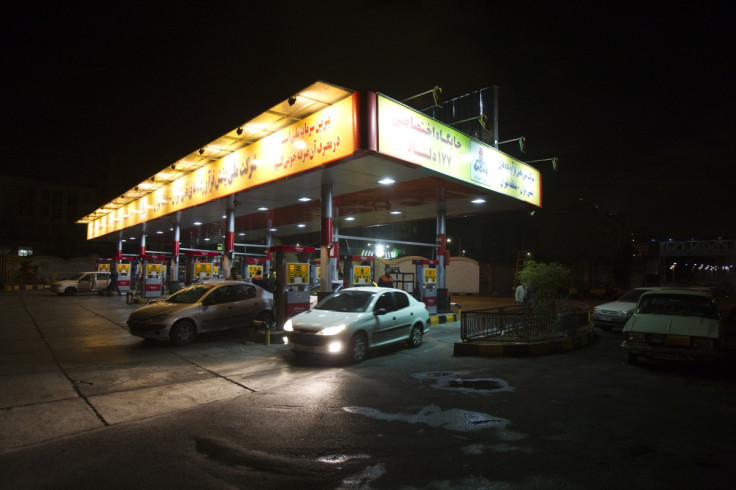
{"x": 357, "y": 348}
{"x": 415, "y": 339}
{"x": 183, "y": 333}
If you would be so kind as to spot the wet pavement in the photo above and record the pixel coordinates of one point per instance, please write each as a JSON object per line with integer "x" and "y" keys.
{"x": 84, "y": 404}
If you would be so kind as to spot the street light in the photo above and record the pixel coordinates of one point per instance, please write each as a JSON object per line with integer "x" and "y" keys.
{"x": 520, "y": 139}
{"x": 554, "y": 161}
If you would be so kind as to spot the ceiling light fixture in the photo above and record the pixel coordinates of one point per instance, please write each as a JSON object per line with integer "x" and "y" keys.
{"x": 386, "y": 181}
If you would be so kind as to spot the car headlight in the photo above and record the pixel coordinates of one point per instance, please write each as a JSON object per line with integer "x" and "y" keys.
{"x": 288, "y": 327}
{"x": 157, "y": 318}
{"x": 703, "y": 343}
{"x": 332, "y": 330}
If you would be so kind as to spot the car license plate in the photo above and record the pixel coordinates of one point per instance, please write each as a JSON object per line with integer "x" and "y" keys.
{"x": 605, "y": 318}
{"x": 678, "y": 340}
{"x": 666, "y": 356}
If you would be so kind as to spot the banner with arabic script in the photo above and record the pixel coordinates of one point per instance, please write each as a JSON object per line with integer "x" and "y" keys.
{"x": 411, "y": 136}
{"x": 318, "y": 139}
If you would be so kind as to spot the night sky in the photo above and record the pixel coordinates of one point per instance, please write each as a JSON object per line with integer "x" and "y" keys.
{"x": 637, "y": 102}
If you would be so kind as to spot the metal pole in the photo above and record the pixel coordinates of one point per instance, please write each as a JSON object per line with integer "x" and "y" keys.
{"x": 495, "y": 117}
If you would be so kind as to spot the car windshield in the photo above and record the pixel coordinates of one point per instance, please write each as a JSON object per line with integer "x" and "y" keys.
{"x": 677, "y": 304}
{"x": 192, "y": 294}
{"x": 632, "y": 296}
{"x": 349, "y": 301}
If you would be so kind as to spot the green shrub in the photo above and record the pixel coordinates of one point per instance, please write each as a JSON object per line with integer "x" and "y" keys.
{"x": 545, "y": 281}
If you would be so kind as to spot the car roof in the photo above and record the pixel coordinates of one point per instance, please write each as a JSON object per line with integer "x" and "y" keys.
{"x": 373, "y": 289}
{"x": 684, "y": 291}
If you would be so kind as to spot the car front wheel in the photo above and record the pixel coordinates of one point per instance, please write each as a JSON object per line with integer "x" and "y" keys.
{"x": 183, "y": 333}
{"x": 358, "y": 347}
{"x": 415, "y": 339}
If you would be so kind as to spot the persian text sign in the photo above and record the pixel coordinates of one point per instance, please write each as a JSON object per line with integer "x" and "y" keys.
{"x": 409, "y": 135}
{"x": 316, "y": 140}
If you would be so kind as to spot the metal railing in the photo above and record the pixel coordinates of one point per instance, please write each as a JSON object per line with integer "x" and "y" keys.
{"x": 517, "y": 324}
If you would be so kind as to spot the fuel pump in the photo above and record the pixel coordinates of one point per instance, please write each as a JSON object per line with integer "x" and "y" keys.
{"x": 103, "y": 265}
{"x": 426, "y": 288}
{"x": 199, "y": 266}
{"x": 292, "y": 282}
{"x": 154, "y": 273}
{"x": 255, "y": 271}
{"x": 124, "y": 271}
{"x": 314, "y": 270}
{"x": 357, "y": 270}
{"x": 202, "y": 270}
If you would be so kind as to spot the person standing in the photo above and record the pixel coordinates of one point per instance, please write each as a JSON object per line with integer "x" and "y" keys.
{"x": 520, "y": 295}
{"x": 114, "y": 282}
{"x": 386, "y": 281}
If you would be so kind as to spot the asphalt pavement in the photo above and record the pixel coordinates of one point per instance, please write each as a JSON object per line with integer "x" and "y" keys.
{"x": 69, "y": 365}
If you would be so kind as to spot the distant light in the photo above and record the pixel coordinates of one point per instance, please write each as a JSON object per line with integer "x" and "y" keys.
{"x": 301, "y": 225}
{"x": 224, "y": 216}
{"x": 262, "y": 208}
{"x": 197, "y": 223}
{"x": 386, "y": 181}
{"x": 395, "y": 212}
{"x": 206, "y": 239}
{"x": 242, "y": 233}
{"x": 305, "y": 199}
{"x": 480, "y": 200}
{"x": 159, "y": 232}
{"x": 272, "y": 230}
{"x": 350, "y": 218}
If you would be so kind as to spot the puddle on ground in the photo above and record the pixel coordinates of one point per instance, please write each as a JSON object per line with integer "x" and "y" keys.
{"x": 449, "y": 380}
{"x": 454, "y": 419}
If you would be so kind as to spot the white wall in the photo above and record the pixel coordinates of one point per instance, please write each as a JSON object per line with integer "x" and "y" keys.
{"x": 462, "y": 274}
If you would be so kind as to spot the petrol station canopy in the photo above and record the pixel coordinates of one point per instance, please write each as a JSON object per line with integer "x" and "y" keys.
{"x": 276, "y": 164}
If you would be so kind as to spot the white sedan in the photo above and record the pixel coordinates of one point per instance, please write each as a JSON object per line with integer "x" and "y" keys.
{"x": 353, "y": 320}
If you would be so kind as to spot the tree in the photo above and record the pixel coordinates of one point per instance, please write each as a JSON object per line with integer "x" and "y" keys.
{"x": 544, "y": 282}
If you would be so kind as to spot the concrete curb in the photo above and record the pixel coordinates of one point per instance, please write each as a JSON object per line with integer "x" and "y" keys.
{"x": 489, "y": 348}
{"x": 441, "y": 318}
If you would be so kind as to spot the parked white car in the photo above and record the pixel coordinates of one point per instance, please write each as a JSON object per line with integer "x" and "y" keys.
{"x": 84, "y": 282}
{"x": 614, "y": 314}
{"x": 353, "y": 320}
{"x": 674, "y": 325}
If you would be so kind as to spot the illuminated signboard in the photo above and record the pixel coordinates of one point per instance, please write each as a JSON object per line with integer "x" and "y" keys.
{"x": 316, "y": 140}
{"x": 416, "y": 138}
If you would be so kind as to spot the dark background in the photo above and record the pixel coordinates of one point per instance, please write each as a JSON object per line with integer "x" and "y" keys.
{"x": 636, "y": 100}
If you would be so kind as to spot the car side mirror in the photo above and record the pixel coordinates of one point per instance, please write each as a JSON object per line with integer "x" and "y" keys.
{"x": 380, "y": 311}
{"x": 208, "y": 301}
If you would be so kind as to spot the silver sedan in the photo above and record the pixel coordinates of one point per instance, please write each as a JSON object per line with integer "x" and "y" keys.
{"x": 200, "y": 308}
